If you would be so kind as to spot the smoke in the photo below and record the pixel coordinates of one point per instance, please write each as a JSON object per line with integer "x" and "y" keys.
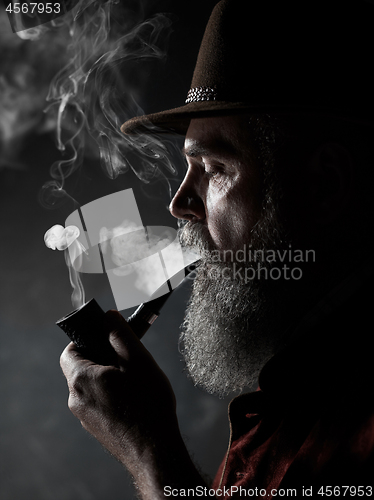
{"x": 26, "y": 70}
{"x": 152, "y": 254}
{"x": 95, "y": 93}
{"x": 101, "y": 46}
{"x": 130, "y": 243}
{"x": 60, "y": 238}
{"x": 143, "y": 251}
{"x": 78, "y": 76}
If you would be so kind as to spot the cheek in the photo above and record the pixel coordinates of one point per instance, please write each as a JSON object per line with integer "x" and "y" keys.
{"x": 231, "y": 217}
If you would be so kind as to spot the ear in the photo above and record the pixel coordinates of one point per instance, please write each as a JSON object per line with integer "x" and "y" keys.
{"x": 330, "y": 179}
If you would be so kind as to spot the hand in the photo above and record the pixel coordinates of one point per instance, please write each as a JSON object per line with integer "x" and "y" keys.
{"x": 130, "y": 406}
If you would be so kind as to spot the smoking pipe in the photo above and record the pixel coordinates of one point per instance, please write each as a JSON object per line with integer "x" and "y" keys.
{"x": 86, "y": 325}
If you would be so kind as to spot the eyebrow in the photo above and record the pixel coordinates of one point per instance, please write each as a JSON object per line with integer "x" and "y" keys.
{"x": 219, "y": 148}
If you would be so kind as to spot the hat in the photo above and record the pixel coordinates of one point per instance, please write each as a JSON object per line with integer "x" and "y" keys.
{"x": 283, "y": 57}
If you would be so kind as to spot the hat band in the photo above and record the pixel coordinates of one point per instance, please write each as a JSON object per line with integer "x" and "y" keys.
{"x": 201, "y": 94}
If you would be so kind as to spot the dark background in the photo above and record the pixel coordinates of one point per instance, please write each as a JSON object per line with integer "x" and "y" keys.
{"x": 45, "y": 453}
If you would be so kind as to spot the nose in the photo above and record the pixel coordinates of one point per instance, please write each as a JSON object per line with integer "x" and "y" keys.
{"x": 187, "y": 203}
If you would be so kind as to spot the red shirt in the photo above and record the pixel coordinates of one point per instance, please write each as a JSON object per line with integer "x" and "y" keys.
{"x": 311, "y": 423}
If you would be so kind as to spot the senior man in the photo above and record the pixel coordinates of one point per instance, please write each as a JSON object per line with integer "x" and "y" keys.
{"x": 278, "y": 131}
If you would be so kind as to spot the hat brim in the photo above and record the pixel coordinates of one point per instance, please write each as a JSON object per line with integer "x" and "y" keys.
{"x": 177, "y": 120}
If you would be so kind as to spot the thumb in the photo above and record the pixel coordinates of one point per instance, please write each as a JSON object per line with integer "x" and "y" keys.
{"x": 121, "y": 336}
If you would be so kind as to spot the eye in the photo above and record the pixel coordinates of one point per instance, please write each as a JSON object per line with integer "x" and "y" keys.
{"x": 211, "y": 173}
{"x": 212, "y": 170}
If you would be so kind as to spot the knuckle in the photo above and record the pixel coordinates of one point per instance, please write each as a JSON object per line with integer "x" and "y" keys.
{"x": 63, "y": 359}
{"x": 76, "y": 406}
{"x": 73, "y": 403}
{"x": 66, "y": 357}
{"x": 80, "y": 392}
{"x": 78, "y": 381}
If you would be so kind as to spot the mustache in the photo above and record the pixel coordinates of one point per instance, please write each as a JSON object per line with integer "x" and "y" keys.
{"x": 196, "y": 236}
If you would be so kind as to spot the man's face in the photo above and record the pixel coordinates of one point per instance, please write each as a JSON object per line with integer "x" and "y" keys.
{"x": 228, "y": 329}
{"x": 222, "y": 187}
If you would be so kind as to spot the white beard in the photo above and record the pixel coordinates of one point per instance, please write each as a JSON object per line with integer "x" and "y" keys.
{"x": 223, "y": 341}
{"x": 232, "y": 328}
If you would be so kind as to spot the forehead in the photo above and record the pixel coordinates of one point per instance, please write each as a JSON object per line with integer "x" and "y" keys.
{"x": 221, "y": 137}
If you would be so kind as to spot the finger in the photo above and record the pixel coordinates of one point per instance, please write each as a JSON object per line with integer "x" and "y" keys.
{"x": 71, "y": 358}
{"x": 121, "y": 336}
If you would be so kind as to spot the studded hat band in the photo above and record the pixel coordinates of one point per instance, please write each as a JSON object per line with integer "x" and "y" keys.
{"x": 201, "y": 94}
